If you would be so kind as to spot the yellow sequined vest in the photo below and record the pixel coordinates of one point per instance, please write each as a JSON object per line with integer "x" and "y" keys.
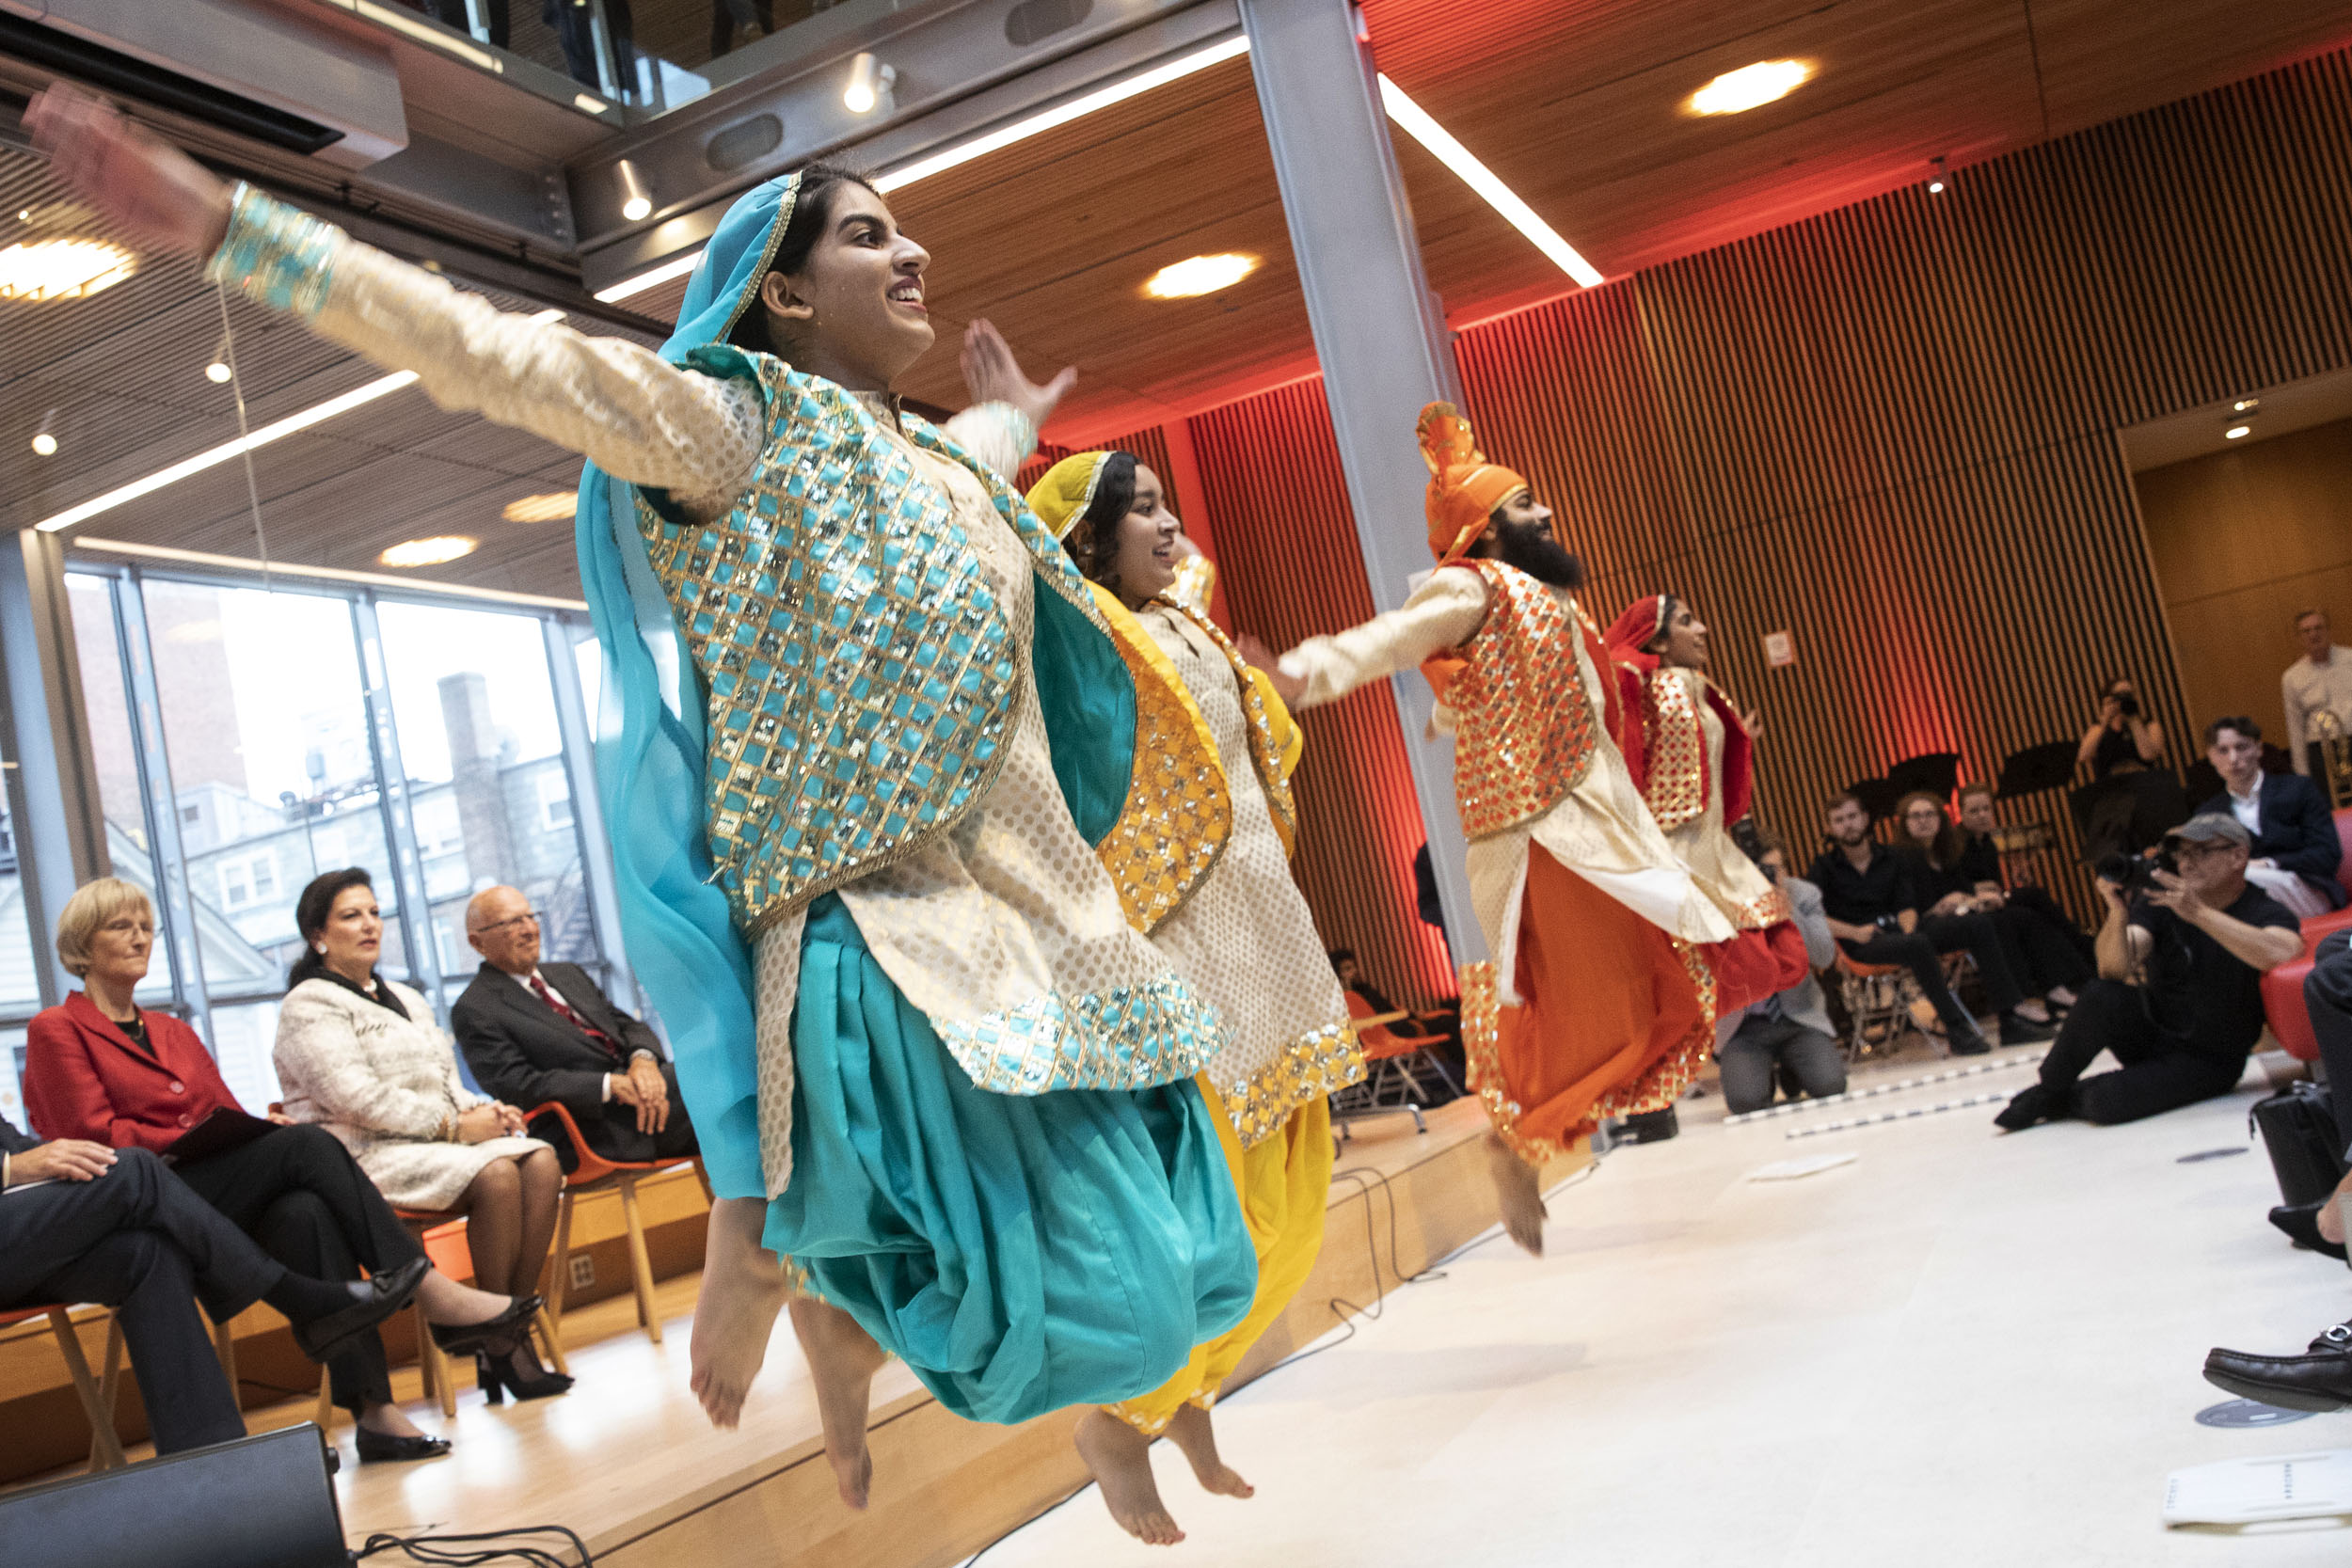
{"x": 1524, "y": 726}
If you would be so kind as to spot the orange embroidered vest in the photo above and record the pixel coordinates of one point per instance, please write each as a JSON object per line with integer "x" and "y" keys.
{"x": 1525, "y": 725}
{"x": 1676, "y": 787}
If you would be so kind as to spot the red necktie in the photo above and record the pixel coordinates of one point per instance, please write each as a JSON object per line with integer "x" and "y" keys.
{"x": 540, "y": 988}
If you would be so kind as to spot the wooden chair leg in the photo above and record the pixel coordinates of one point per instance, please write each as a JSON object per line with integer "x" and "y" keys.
{"x": 325, "y": 1414}
{"x": 110, "y": 1379}
{"x": 559, "y": 1276}
{"x": 102, "y": 1422}
{"x": 552, "y": 1341}
{"x": 640, "y": 1263}
{"x": 703, "y": 1176}
{"x": 225, "y": 1341}
{"x": 433, "y": 1363}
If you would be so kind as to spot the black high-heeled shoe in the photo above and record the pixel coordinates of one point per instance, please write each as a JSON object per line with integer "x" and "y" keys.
{"x": 502, "y": 1333}
{"x": 376, "y": 1446}
{"x": 498, "y": 1377}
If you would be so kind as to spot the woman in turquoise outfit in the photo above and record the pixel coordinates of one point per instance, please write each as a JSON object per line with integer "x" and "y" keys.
{"x": 888, "y": 802}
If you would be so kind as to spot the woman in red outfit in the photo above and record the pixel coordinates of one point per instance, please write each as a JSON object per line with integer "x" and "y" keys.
{"x": 99, "y": 1066}
{"x": 1693, "y": 752}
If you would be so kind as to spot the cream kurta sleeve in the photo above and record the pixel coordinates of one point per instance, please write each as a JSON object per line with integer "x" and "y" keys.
{"x": 623, "y": 407}
{"x": 1444, "y": 613}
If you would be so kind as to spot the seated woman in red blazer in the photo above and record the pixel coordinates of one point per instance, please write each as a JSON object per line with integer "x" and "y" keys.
{"x": 100, "y": 1067}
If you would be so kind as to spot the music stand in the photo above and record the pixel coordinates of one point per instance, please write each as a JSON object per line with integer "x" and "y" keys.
{"x": 1878, "y": 796}
{"x": 2048, "y": 766}
{"x": 1936, "y": 772}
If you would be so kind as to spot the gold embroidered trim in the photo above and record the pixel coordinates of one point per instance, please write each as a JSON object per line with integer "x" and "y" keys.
{"x": 1265, "y": 746}
{"x": 1524, "y": 723}
{"x": 1677, "y": 787}
{"x": 1763, "y": 912}
{"x": 1322, "y": 1061}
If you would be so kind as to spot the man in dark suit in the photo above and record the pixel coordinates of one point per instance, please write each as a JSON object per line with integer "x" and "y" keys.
{"x": 82, "y": 1222}
{"x": 2296, "y": 848}
{"x": 535, "y": 1032}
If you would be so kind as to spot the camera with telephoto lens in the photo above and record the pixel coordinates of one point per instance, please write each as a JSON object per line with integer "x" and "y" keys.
{"x": 2127, "y": 705}
{"x": 2137, "y": 873}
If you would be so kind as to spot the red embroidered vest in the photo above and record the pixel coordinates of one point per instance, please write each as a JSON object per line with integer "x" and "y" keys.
{"x": 1525, "y": 725}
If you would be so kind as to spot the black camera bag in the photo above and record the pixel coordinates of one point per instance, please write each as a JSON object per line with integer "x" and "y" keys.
{"x": 2298, "y": 1128}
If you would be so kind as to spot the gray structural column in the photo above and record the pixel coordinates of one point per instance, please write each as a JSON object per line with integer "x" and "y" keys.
{"x": 1379, "y": 334}
{"x": 51, "y": 775}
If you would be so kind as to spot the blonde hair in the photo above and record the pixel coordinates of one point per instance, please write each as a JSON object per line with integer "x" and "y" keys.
{"x": 93, "y": 904}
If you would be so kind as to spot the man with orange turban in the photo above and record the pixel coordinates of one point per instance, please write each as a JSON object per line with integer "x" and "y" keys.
{"x": 1692, "y": 754}
{"x": 1596, "y": 1002}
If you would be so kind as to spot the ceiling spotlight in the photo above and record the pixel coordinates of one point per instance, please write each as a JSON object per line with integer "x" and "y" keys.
{"x": 62, "y": 269}
{"x": 44, "y": 444}
{"x": 428, "y": 552}
{"x": 870, "y": 82}
{"x": 2245, "y": 405}
{"x": 219, "y": 372}
{"x": 1935, "y": 181}
{"x": 1196, "y": 275}
{"x": 1751, "y": 87}
{"x": 2237, "y": 433}
{"x": 636, "y": 205}
{"x": 541, "y": 509}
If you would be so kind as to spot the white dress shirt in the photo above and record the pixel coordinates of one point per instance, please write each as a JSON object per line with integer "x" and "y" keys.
{"x": 2307, "y": 688}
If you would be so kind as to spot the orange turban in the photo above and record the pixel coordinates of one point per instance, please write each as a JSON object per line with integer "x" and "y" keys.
{"x": 1464, "y": 487}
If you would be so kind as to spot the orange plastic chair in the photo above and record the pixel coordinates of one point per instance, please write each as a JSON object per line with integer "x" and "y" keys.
{"x": 596, "y": 1173}
{"x": 1388, "y": 1060}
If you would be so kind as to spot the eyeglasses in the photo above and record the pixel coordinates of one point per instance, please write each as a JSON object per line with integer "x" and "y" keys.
{"x": 529, "y": 917}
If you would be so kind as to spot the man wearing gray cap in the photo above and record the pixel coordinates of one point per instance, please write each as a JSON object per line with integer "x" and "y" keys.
{"x": 2178, "y": 1000}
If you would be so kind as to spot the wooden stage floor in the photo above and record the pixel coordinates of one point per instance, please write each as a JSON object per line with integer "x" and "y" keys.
{"x": 628, "y": 1461}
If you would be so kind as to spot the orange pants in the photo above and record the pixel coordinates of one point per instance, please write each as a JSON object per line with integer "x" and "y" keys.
{"x": 1617, "y": 1016}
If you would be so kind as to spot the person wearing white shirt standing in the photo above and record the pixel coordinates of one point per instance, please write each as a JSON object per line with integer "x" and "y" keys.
{"x": 2319, "y": 681}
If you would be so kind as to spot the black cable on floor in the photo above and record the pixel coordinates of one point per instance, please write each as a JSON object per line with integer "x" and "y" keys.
{"x": 443, "y": 1550}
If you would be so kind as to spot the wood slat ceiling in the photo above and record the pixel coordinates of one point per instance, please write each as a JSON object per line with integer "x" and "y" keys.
{"x": 1575, "y": 103}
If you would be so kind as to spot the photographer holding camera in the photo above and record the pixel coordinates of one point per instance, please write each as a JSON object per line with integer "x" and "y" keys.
{"x": 2178, "y": 1000}
{"x": 2124, "y": 739}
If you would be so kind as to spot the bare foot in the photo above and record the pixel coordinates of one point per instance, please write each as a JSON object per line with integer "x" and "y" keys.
{"x": 843, "y": 1358}
{"x": 1195, "y": 1437}
{"x": 1515, "y": 1180}
{"x": 743, "y": 1289}
{"x": 1121, "y": 1458}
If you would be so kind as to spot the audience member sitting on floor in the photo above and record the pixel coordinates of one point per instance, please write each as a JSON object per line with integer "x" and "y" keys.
{"x": 2296, "y": 850}
{"x": 1873, "y": 911}
{"x": 1785, "y": 1043}
{"x": 2178, "y": 1000}
{"x": 358, "y": 1055}
{"x": 2328, "y": 997}
{"x": 1950, "y": 883}
{"x": 99, "y": 1069}
{"x": 120, "y": 1229}
{"x": 535, "y": 1033}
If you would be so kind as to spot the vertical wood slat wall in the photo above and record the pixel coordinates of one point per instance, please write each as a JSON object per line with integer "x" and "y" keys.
{"x": 1889, "y": 430}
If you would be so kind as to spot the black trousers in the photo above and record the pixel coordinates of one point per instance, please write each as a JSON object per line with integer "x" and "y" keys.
{"x": 301, "y": 1195}
{"x": 140, "y": 1241}
{"x": 2328, "y": 993}
{"x": 2039, "y": 951}
{"x": 1949, "y": 933}
{"x": 1763, "y": 1050}
{"x": 1915, "y": 952}
{"x": 2160, "y": 1072}
{"x": 610, "y": 1129}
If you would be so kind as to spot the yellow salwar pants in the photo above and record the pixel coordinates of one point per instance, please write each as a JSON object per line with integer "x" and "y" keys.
{"x": 1283, "y": 1180}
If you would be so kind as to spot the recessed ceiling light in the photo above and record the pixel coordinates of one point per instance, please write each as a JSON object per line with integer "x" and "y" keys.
{"x": 218, "y": 372}
{"x": 45, "y": 444}
{"x": 2242, "y": 405}
{"x": 1751, "y": 87}
{"x": 1196, "y": 275}
{"x": 541, "y": 509}
{"x": 428, "y": 552}
{"x": 2237, "y": 433}
{"x": 62, "y": 269}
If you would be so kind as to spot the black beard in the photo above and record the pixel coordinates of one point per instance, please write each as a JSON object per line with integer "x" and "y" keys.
{"x": 1534, "y": 550}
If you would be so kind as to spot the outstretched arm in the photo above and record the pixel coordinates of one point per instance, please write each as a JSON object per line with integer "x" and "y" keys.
{"x": 1444, "y": 613}
{"x": 621, "y": 405}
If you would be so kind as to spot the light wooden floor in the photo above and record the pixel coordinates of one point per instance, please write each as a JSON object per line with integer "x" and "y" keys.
{"x": 1964, "y": 1349}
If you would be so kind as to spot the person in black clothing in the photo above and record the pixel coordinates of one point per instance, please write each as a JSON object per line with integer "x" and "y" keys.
{"x": 2178, "y": 1000}
{"x": 1980, "y": 861}
{"x": 82, "y": 1222}
{"x": 1441, "y": 1026}
{"x": 2125, "y": 739}
{"x": 1874, "y": 912}
{"x": 535, "y": 1033}
{"x": 2296, "y": 849}
{"x": 2328, "y": 997}
{"x": 1958, "y": 874}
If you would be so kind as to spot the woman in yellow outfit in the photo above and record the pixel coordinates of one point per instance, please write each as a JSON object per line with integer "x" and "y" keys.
{"x": 1245, "y": 940}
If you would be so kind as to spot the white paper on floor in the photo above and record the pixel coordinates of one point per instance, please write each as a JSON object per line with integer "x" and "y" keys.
{"x": 2249, "y": 1491}
{"x": 1811, "y": 1165}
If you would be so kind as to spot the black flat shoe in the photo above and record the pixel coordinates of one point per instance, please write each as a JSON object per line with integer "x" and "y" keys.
{"x": 2030, "y": 1105}
{"x": 2300, "y": 1221}
{"x": 373, "y": 1300}
{"x": 2320, "y": 1381}
{"x": 381, "y": 1447}
{"x": 496, "y": 1377}
{"x": 495, "y": 1335}
{"x": 2017, "y": 1029}
{"x": 1969, "y": 1043}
